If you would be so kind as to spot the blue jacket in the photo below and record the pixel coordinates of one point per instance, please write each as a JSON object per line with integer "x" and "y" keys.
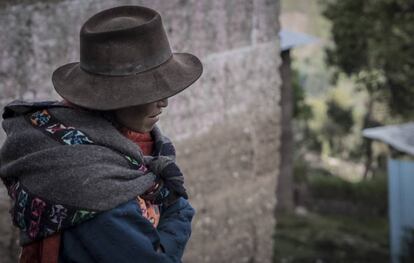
{"x": 124, "y": 235}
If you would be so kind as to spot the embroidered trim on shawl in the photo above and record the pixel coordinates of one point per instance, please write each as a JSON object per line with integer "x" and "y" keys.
{"x": 49, "y": 125}
{"x": 40, "y": 218}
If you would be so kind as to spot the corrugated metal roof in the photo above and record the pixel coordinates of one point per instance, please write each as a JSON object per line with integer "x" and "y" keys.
{"x": 290, "y": 39}
{"x": 400, "y": 137}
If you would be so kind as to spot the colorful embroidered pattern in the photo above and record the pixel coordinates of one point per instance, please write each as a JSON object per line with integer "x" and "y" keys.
{"x": 150, "y": 211}
{"x": 136, "y": 165}
{"x": 75, "y": 137}
{"x": 39, "y": 218}
{"x": 40, "y": 118}
{"x": 44, "y": 121}
{"x": 64, "y": 134}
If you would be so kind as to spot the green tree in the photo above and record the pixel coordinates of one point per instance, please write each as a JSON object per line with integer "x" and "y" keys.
{"x": 338, "y": 124}
{"x": 373, "y": 41}
{"x": 301, "y": 110}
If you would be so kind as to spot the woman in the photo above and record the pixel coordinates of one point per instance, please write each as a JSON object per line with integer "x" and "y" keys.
{"x": 92, "y": 179}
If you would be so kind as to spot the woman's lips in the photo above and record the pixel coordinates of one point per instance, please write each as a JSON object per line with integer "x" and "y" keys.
{"x": 156, "y": 115}
{"x": 154, "y": 119}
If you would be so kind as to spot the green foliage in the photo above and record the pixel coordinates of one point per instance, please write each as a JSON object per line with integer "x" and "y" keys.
{"x": 338, "y": 125}
{"x": 302, "y": 114}
{"x": 302, "y": 171}
{"x": 301, "y": 110}
{"x": 316, "y": 238}
{"x": 341, "y": 116}
{"x": 369, "y": 193}
{"x": 374, "y": 38}
{"x": 322, "y": 184}
{"x": 332, "y": 238}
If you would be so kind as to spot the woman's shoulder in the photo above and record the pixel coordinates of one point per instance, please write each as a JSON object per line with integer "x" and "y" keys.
{"x": 20, "y": 107}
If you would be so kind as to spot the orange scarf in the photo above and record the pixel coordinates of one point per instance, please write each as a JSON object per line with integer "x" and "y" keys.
{"x": 146, "y": 143}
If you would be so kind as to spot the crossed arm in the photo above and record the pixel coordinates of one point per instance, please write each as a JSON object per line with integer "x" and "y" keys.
{"x": 124, "y": 235}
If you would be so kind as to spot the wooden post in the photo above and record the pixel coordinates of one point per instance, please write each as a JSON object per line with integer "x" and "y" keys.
{"x": 284, "y": 189}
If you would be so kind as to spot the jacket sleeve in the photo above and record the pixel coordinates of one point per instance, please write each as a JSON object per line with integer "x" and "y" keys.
{"x": 123, "y": 235}
{"x": 174, "y": 227}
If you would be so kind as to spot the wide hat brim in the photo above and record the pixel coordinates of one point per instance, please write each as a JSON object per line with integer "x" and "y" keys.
{"x": 102, "y": 92}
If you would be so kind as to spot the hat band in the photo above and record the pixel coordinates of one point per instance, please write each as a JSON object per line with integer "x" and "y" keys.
{"x": 123, "y": 70}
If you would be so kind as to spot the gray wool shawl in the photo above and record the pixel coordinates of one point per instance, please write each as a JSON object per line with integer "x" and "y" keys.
{"x": 94, "y": 176}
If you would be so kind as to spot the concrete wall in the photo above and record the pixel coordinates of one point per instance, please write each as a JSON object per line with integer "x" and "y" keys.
{"x": 226, "y": 126}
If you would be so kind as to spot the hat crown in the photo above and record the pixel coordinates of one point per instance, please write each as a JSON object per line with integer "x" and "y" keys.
{"x": 125, "y": 60}
{"x": 116, "y": 23}
{"x": 123, "y": 41}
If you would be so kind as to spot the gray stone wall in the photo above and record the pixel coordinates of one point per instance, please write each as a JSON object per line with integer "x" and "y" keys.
{"x": 226, "y": 126}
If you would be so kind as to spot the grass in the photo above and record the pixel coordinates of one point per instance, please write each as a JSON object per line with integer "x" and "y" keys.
{"x": 323, "y": 238}
{"x": 324, "y": 185}
{"x": 368, "y": 193}
{"x": 317, "y": 238}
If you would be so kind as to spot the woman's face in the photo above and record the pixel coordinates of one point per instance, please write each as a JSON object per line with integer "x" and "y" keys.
{"x": 141, "y": 118}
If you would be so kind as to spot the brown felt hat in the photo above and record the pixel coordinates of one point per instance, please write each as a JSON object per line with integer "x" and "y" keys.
{"x": 125, "y": 60}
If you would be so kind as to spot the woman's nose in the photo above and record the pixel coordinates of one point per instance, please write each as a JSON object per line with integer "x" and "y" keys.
{"x": 163, "y": 103}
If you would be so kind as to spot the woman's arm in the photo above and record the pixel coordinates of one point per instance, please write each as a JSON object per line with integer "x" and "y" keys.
{"x": 124, "y": 235}
{"x": 174, "y": 227}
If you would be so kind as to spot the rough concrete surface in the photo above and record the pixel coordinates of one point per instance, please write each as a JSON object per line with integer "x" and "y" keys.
{"x": 226, "y": 127}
